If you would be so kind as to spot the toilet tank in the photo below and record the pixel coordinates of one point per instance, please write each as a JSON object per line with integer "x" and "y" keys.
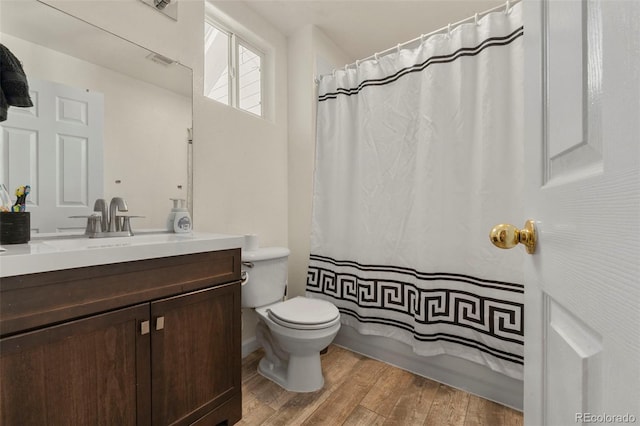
{"x": 266, "y": 276}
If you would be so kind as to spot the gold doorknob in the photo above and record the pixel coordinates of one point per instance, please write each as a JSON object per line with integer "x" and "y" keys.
{"x": 507, "y": 236}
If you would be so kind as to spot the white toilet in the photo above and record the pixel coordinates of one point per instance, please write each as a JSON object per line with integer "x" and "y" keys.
{"x": 292, "y": 333}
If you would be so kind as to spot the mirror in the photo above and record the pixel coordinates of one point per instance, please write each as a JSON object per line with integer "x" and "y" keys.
{"x": 135, "y": 103}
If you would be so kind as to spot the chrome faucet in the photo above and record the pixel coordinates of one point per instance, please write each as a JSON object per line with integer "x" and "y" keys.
{"x": 117, "y": 204}
{"x": 106, "y": 223}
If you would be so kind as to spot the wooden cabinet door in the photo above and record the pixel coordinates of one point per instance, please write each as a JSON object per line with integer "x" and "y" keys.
{"x": 196, "y": 356}
{"x": 83, "y": 372}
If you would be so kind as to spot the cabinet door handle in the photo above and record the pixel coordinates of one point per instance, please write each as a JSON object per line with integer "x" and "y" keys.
{"x": 144, "y": 327}
{"x": 159, "y": 323}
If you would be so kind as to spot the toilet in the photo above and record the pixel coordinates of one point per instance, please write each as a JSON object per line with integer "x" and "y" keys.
{"x": 292, "y": 332}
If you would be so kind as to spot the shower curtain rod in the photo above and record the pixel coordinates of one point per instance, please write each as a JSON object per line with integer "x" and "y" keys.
{"x": 448, "y": 28}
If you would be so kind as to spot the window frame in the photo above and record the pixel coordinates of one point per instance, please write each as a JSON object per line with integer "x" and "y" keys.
{"x": 233, "y": 65}
{"x": 259, "y": 53}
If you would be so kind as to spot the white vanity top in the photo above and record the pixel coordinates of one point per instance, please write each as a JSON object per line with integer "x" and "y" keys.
{"x": 51, "y": 254}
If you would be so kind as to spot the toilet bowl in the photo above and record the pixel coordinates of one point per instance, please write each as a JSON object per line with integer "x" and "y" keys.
{"x": 292, "y": 332}
{"x": 293, "y": 341}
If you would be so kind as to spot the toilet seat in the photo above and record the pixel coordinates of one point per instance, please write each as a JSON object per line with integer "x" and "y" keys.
{"x": 302, "y": 313}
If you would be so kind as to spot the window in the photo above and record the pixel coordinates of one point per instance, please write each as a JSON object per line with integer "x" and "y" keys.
{"x": 233, "y": 70}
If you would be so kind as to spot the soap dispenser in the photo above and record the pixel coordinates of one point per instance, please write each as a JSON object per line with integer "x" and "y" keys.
{"x": 172, "y": 214}
{"x": 179, "y": 220}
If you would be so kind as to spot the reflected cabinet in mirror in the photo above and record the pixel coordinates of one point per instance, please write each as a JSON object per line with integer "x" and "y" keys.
{"x": 110, "y": 118}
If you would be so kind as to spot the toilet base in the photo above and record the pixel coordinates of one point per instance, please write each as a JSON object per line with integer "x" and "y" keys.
{"x": 302, "y": 373}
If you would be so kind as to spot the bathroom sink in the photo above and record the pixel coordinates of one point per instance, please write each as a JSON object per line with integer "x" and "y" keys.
{"x": 55, "y": 252}
{"x": 84, "y": 243}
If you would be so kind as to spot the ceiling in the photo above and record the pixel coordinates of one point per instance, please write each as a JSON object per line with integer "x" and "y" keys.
{"x": 363, "y": 27}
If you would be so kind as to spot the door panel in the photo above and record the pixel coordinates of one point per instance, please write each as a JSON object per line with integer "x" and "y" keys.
{"x": 582, "y": 186}
{"x": 573, "y": 90}
{"x": 575, "y": 350}
{"x": 19, "y": 157}
{"x": 72, "y": 171}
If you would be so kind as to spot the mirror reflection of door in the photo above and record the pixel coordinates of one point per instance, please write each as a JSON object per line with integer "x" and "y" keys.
{"x": 56, "y": 146}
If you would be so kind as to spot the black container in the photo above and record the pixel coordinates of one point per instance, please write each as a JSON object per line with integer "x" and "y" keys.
{"x": 15, "y": 227}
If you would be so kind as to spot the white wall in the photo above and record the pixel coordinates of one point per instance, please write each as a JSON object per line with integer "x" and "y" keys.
{"x": 309, "y": 49}
{"x": 240, "y": 161}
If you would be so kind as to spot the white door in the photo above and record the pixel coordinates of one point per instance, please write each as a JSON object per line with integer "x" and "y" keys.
{"x": 582, "y": 296}
{"x": 56, "y": 147}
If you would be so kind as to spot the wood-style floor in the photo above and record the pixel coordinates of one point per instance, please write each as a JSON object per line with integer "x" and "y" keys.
{"x": 362, "y": 391}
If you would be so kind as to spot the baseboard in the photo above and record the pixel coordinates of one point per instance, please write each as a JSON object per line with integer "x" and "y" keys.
{"x": 249, "y": 346}
{"x": 456, "y": 372}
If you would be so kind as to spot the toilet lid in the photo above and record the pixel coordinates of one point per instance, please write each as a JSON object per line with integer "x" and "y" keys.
{"x": 302, "y": 312}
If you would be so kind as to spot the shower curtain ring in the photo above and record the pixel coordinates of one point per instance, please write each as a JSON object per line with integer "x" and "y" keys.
{"x": 398, "y": 47}
{"x": 475, "y": 18}
{"x": 422, "y": 38}
{"x": 449, "y": 30}
{"x": 507, "y": 8}
{"x": 357, "y": 63}
{"x": 375, "y": 56}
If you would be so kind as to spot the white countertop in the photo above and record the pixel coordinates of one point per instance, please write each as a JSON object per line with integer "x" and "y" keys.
{"x": 52, "y": 254}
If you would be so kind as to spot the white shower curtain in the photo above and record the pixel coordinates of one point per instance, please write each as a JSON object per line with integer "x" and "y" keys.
{"x": 419, "y": 155}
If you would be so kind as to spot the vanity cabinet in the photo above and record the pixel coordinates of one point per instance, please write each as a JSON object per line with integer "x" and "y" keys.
{"x": 147, "y": 342}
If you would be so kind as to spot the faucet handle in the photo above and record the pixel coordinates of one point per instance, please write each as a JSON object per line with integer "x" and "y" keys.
{"x": 126, "y": 224}
{"x": 93, "y": 223}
